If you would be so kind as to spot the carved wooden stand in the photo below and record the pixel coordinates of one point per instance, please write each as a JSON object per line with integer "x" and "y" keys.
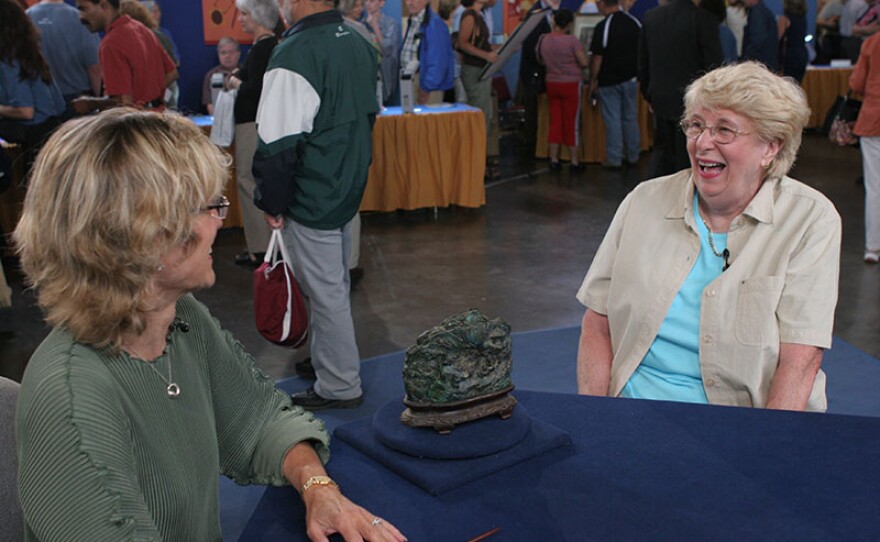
{"x": 444, "y": 418}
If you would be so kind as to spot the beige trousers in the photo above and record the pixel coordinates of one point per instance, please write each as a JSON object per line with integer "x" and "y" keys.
{"x": 256, "y": 231}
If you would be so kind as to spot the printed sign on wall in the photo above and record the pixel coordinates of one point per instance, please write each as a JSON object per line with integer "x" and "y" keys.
{"x": 220, "y": 18}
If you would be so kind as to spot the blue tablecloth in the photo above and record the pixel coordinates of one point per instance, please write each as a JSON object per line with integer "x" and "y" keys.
{"x": 203, "y": 121}
{"x": 638, "y": 470}
{"x": 428, "y": 109}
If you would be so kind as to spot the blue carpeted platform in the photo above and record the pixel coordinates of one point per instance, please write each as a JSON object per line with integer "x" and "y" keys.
{"x": 544, "y": 360}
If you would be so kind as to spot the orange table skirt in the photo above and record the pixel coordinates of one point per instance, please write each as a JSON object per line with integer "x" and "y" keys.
{"x": 435, "y": 158}
{"x": 823, "y": 86}
{"x": 592, "y": 129}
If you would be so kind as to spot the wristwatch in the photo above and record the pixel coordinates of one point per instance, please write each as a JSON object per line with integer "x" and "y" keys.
{"x": 318, "y": 481}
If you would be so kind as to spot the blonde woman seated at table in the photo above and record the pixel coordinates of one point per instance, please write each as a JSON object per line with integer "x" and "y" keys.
{"x": 137, "y": 399}
{"x": 718, "y": 284}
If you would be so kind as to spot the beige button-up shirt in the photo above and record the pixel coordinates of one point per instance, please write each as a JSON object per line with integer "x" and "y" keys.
{"x": 781, "y": 285}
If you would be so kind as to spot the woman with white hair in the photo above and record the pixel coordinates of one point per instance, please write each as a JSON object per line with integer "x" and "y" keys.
{"x": 258, "y": 18}
{"x": 718, "y": 284}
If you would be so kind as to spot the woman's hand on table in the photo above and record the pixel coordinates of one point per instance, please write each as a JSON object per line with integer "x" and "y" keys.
{"x": 328, "y": 511}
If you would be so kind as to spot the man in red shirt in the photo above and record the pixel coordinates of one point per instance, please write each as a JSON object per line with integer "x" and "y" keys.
{"x": 135, "y": 67}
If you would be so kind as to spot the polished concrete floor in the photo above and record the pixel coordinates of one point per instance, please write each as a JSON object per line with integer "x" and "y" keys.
{"x": 521, "y": 257}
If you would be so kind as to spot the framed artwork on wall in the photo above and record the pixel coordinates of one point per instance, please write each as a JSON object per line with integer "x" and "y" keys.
{"x": 219, "y": 19}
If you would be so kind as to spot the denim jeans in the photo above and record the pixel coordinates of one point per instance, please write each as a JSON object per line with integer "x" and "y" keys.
{"x": 618, "y": 106}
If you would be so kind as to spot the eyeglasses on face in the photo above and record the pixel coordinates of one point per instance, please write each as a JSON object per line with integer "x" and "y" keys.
{"x": 721, "y": 133}
{"x": 219, "y": 207}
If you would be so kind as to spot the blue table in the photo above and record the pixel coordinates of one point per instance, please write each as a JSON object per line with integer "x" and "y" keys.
{"x": 638, "y": 470}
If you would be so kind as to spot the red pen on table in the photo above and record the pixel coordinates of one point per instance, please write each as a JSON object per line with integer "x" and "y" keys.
{"x": 485, "y": 535}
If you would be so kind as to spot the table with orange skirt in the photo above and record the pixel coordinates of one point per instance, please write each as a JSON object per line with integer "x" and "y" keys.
{"x": 823, "y": 85}
{"x": 434, "y": 157}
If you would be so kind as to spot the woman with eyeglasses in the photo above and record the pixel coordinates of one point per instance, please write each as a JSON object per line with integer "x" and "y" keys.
{"x": 137, "y": 399}
{"x": 718, "y": 284}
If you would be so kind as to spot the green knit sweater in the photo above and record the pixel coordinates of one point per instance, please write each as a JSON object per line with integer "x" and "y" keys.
{"x": 105, "y": 454}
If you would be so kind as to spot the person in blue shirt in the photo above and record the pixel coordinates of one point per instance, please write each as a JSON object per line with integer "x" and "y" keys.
{"x": 427, "y": 52}
{"x": 31, "y": 106}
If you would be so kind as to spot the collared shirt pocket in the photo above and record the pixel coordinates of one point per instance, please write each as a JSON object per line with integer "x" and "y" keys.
{"x": 756, "y": 305}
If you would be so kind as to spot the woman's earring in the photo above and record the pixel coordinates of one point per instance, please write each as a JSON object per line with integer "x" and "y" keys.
{"x": 160, "y": 268}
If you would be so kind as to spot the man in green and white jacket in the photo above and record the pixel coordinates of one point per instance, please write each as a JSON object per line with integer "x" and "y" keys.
{"x": 314, "y": 122}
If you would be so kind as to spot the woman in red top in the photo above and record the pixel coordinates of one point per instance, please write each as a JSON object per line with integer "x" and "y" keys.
{"x": 565, "y": 59}
{"x": 865, "y": 80}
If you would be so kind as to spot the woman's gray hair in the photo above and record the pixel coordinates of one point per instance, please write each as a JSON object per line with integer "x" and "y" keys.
{"x": 227, "y": 40}
{"x": 263, "y": 12}
{"x": 775, "y": 106}
{"x": 345, "y": 6}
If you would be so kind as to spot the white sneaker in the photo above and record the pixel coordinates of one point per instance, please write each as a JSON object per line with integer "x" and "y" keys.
{"x": 872, "y": 256}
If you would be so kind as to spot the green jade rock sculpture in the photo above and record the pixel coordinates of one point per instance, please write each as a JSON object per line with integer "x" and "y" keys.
{"x": 458, "y": 372}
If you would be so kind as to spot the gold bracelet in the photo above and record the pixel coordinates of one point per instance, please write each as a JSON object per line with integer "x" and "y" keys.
{"x": 318, "y": 481}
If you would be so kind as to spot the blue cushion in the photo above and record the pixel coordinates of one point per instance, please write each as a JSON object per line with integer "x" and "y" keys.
{"x": 436, "y": 476}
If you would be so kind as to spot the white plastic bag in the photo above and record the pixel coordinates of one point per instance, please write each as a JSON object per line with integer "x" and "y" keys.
{"x": 223, "y": 129}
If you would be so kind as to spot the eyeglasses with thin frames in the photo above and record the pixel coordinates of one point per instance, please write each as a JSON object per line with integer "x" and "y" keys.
{"x": 219, "y": 206}
{"x": 721, "y": 133}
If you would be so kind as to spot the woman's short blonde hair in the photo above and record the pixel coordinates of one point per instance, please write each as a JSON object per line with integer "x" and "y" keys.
{"x": 775, "y": 106}
{"x": 109, "y": 196}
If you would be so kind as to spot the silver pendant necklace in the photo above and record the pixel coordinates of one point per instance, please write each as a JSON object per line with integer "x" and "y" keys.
{"x": 711, "y": 239}
{"x": 172, "y": 389}
{"x": 724, "y": 254}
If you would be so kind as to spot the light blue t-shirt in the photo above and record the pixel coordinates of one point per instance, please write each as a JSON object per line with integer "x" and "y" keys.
{"x": 68, "y": 46}
{"x": 45, "y": 98}
{"x": 671, "y": 368}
